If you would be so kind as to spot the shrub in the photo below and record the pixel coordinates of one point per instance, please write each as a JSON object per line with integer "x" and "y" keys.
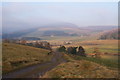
{"x": 61, "y": 49}
{"x": 81, "y": 51}
{"x": 72, "y": 50}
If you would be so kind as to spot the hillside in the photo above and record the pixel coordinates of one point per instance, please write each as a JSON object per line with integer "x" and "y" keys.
{"x": 81, "y": 69}
{"x": 17, "y": 56}
{"x": 100, "y": 28}
{"x": 67, "y": 29}
{"x": 58, "y": 29}
{"x": 109, "y": 46}
{"x": 17, "y": 34}
{"x": 55, "y": 33}
{"x": 111, "y": 34}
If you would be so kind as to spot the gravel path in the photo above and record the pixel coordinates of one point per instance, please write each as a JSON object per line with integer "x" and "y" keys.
{"x": 38, "y": 70}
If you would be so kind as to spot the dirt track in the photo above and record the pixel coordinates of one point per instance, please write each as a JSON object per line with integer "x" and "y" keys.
{"x": 38, "y": 70}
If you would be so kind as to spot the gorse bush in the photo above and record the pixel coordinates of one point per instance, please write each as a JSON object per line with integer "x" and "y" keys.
{"x": 73, "y": 50}
{"x": 81, "y": 51}
{"x": 61, "y": 49}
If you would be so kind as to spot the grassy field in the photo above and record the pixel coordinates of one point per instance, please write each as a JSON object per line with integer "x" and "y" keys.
{"x": 16, "y": 56}
{"x": 109, "y": 46}
{"x": 81, "y": 69}
{"x": 89, "y": 67}
{"x": 104, "y": 46}
{"x": 105, "y": 67}
{"x": 108, "y": 61}
{"x": 84, "y": 67}
{"x": 88, "y": 42}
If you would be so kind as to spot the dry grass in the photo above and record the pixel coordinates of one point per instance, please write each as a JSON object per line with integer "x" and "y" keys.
{"x": 109, "y": 46}
{"x": 17, "y": 56}
{"x": 81, "y": 69}
{"x": 108, "y": 61}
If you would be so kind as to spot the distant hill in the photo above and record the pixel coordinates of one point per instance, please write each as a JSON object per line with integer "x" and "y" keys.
{"x": 67, "y": 29}
{"x": 55, "y": 33}
{"x": 17, "y": 33}
{"x": 59, "y": 29}
{"x": 100, "y": 28}
{"x": 111, "y": 34}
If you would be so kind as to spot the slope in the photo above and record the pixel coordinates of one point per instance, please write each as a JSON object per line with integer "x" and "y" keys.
{"x": 111, "y": 34}
{"x": 82, "y": 68}
{"x": 17, "y": 56}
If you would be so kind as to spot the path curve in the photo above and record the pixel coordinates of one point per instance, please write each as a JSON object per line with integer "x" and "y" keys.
{"x": 38, "y": 70}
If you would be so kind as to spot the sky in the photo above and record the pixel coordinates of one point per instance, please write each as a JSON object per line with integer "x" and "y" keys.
{"x": 24, "y": 15}
{"x": 60, "y": 0}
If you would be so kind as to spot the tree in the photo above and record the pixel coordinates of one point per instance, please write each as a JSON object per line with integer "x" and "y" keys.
{"x": 62, "y": 49}
{"x": 81, "y": 51}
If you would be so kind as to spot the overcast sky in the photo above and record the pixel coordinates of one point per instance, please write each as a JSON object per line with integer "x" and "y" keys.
{"x": 22, "y": 15}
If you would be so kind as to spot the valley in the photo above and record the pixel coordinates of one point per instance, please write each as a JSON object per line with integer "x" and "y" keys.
{"x": 35, "y": 54}
{"x": 62, "y": 39}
